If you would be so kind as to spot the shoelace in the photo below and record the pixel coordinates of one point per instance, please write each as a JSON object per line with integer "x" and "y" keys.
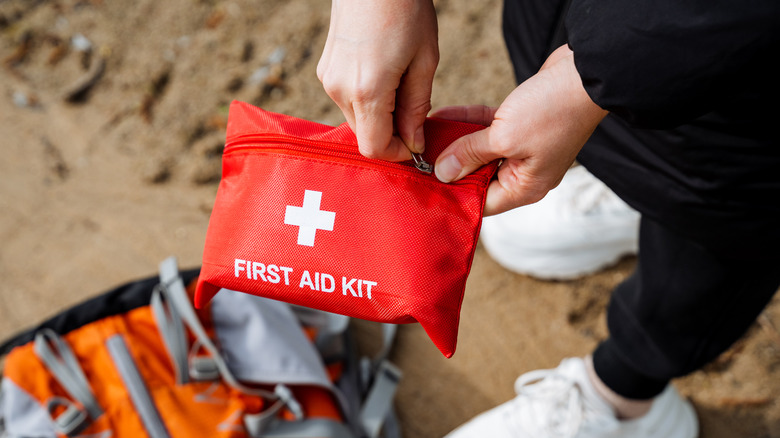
{"x": 550, "y": 404}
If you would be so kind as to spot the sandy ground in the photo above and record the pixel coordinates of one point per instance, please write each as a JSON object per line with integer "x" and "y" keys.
{"x": 112, "y": 118}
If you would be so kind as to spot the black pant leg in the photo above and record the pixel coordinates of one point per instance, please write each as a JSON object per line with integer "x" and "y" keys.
{"x": 531, "y": 28}
{"x": 682, "y": 307}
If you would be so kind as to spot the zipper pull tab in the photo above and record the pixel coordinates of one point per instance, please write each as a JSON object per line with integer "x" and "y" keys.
{"x": 421, "y": 164}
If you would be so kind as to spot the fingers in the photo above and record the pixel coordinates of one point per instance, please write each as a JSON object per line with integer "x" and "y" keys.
{"x": 374, "y": 131}
{"x": 375, "y": 113}
{"x": 378, "y": 65}
{"x": 464, "y": 156}
{"x": 413, "y": 100}
{"x": 477, "y": 114}
{"x": 368, "y": 111}
{"x": 517, "y": 183}
{"x": 498, "y": 199}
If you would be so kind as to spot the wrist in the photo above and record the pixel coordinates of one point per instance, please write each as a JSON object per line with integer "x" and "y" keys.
{"x": 585, "y": 110}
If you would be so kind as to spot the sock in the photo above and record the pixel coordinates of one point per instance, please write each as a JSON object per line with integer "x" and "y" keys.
{"x": 625, "y": 408}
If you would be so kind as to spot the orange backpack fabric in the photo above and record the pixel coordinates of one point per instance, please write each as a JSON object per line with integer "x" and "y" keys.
{"x": 116, "y": 341}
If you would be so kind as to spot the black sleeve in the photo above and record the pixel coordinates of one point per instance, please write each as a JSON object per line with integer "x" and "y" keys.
{"x": 661, "y": 63}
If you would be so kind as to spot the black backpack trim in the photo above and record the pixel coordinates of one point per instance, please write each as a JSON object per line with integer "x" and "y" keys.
{"x": 119, "y": 300}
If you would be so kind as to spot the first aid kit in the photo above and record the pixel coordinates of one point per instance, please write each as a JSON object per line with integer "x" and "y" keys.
{"x": 302, "y": 217}
{"x": 140, "y": 361}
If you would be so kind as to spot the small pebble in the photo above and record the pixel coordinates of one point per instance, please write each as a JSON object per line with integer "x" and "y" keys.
{"x": 80, "y": 43}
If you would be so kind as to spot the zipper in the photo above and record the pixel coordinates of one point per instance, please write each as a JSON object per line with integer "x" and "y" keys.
{"x": 300, "y": 146}
{"x": 421, "y": 164}
{"x": 134, "y": 383}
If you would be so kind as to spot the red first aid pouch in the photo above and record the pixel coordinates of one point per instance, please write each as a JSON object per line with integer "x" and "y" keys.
{"x": 300, "y": 216}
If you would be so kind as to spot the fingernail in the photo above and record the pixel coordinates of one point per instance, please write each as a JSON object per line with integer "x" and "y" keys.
{"x": 419, "y": 140}
{"x": 447, "y": 169}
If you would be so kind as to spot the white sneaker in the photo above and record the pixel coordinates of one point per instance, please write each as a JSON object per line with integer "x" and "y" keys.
{"x": 562, "y": 403}
{"x": 581, "y": 226}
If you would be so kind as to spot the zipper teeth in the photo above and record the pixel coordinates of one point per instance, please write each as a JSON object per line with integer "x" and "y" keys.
{"x": 341, "y": 150}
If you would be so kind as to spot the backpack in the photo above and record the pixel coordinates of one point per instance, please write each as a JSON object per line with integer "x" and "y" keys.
{"x": 139, "y": 360}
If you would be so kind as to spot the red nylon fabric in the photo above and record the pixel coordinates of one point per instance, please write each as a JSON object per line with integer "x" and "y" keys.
{"x": 386, "y": 242}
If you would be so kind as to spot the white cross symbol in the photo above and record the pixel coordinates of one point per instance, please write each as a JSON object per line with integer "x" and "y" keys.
{"x": 309, "y": 218}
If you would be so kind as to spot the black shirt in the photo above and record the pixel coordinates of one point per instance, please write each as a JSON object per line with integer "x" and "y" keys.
{"x": 693, "y": 138}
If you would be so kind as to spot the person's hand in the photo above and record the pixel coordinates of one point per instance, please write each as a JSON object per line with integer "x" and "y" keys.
{"x": 538, "y": 131}
{"x": 378, "y": 66}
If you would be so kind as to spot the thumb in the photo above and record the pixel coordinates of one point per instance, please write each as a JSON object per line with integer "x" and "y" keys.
{"x": 464, "y": 156}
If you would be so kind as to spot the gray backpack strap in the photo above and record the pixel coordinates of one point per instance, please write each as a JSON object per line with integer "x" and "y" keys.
{"x": 369, "y": 383}
{"x": 174, "y": 292}
{"x": 57, "y": 356}
{"x": 391, "y": 427}
{"x": 187, "y": 363}
{"x": 136, "y": 387}
{"x": 380, "y": 379}
{"x": 172, "y": 332}
{"x": 3, "y": 433}
{"x": 308, "y": 428}
{"x": 388, "y": 338}
{"x": 377, "y": 409}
